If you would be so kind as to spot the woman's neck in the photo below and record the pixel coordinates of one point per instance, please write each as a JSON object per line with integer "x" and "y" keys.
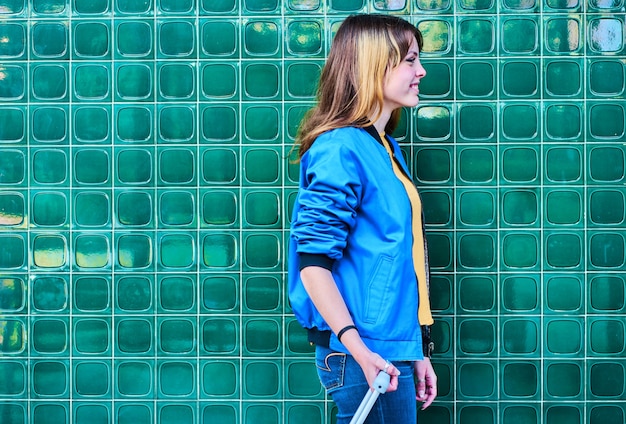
{"x": 381, "y": 122}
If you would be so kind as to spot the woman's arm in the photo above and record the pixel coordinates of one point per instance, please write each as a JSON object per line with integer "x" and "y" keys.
{"x": 322, "y": 289}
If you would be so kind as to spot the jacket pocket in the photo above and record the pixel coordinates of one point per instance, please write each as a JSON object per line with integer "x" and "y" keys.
{"x": 378, "y": 289}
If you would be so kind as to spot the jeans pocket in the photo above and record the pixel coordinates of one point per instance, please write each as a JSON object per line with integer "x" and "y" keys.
{"x": 330, "y": 368}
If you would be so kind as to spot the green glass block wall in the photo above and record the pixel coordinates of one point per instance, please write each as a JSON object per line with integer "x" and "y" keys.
{"x": 145, "y": 194}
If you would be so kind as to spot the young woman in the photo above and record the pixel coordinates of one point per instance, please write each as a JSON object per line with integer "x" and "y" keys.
{"x": 358, "y": 264}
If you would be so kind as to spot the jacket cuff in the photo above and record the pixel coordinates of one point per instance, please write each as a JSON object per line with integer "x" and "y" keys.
{"x": 427, "y": 344}
{"x": 312, "y": 259}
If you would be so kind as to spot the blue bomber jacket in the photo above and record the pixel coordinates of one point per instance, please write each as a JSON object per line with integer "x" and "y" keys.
{"x": 352, "y": 216}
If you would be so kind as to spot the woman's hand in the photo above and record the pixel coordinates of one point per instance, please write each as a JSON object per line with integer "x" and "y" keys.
{"x": 372, "y": 364}
{"x": 426, "y": 382}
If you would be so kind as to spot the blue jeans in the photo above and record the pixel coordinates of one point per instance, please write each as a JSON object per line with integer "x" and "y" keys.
{"x": 345, "y": 382}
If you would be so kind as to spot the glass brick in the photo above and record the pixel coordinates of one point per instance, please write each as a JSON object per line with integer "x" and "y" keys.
{"x": 433, "y": 165}
{"x": 437, "y": 34}
{"x": 558, "y": 341}
{"x": 607, "y": 293}
{"x": 177, "y": 166}
{"x": 261, "y": 208}
{"x": 476, "y": 122}
{"x": 513, "y": 27}
{"x": 476, "y": 36}
{"x": 13, "y": 133}
{"x": 606, "y": 35}
{"x": 255, "y": 413}
{"x": 92, "y": 251}
{"x": 13, "y": 167}
{"x": 220, "y": 38}
{"x": 520, "y": 207}
{"x": 176, "y": 378}
{"x": 606, "y": 164}
{"x": 261, "y": 251}
{"x": 219, "y": 123}
{"x": 134, "y": 6}
{"x": 219, "y": 80}
{"x": 134, "y": 413}
{"x": 437, "y": 207}
{"x": 134, "y": 208}
{"x": 563, "y": 78}
{"x": 171, "y": 414}
{"x": 262, "y": 294}
{"x": 520, "y": 250}
{"x": 176, "y": 336}
{"x": 134, "y": 336}
{"x": 476, "y": 165}
{"x": 563, "y": 121}
{"x": 49, "y": 39}
{"x": 176, "y": 208}
{"x": 301, "y": 79}
{"x": 476, "y": 380}
{"x": 14, "y": 376}
{"x": 50, "y": 208}
{"x": 513, "y": 344}
{"x": 134, "y": 251}
{"x": 220, "y": 293}
{"x": 520, "y": 78}
{"x": 347, "y": 5}
{"x": 227, "y": 414}
{"x": 563, "y": 380}
{"x": 177, "y": 81}
{"x": 439, "y": 86}
{"x": 14, "y": 332}
{"x": 134, "y": 294}
{"x": 606, "y": 413}
{"x": 434, "y": 123}
{"x": 563, "y": 164}
{"x": 177, "y": 293}
{"x": 261, "y": 81}
{"x": 176, "y": 38}
{"x": 476, "y": 337}
{"x": 476, "y": 294}
{"x": 441, "y": 293}
{"x": 436, "y": 5}
{"x": 50, "y": 82}
{"x": 50, "y": 251}
{"x": 606, "y": 78}
{"x": 476, "y": 5}
{"x": 304, "y": 5}
{"x": 91, "y": 40}
{"x": 606, "y": 121}
{"x": 219, "y": 208}
{"x": 520, "y": 294}
{"x": 564, "y": 293}
{"x": 262, "y": 123}
{"x": 477, "y": 208}
{"x": 562, "y": 35}
{"x": 261, "y": 336}
{"x": 563, "y": 207}
{"x": 563, "y": 4}
{"x": 134, "y": 378}
{"x": 305, "y": 414}
{"x": 520, "y": 414}
{"x": 261, "y": 38}
{"x": 606, "y": 250}
{"x": 49, "y": 124}
{"x": 219, "y": 251}
{"x": 220, "y": 336}
{"x": 177, "y": 124}
{"x": 92, "y": 414}
{"x": 17, "y": 33}
{"x": 520, "y": 380}
{"x": 520, "y": 165}
{"x": 476, "y": 79}
{"x": 12, "y": 250}
{"x": 91, "y": 124}
{"x": 606, "y": 336}
{"x": 50, "y": 294}
{"x": 134, "y": 166}
{"x": 177, "y": 251}
{"x": 606, "y": 207}
{"x": 171, "y": 6}
{"x": 134, "y": 82}
{"x": 91, "y": 7}
{"x": 134, "y": 123}
{"x": 50, "y": 379}
{"x": 606, "y": 379}
{"x": 50, "y": 336}
{"x": 14, "y": 86}
{"x": 13, "y": 291}
{"x": 92, "y": 208}
{"x": 92, "y": 166}
{"x": 92, "y": 294}
{"x": 304, "y": 37}
{"x": 302, "y": 381}
{"x": 134, "y": 39}
{"x": 261, "y": 166}
{"x": 440, "y": 245}
{"x": 261, "y": 379}
{"x": 91, "y": 378}
{"x": 12, "y": 209}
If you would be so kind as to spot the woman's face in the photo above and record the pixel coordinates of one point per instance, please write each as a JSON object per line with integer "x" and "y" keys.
{"x": 401, "y": 83}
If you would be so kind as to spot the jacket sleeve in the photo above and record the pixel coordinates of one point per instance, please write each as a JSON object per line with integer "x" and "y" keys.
{"x": 330, "y": 189}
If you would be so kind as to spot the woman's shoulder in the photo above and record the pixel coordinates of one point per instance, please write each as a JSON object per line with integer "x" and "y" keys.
{"x": 348, "y": 137}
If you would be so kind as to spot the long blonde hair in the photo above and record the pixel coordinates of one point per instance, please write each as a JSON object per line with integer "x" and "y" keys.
{"x": 351, "y": 83}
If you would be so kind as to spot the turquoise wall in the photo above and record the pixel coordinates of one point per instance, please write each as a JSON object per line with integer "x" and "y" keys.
{"x": 145, "y": 194}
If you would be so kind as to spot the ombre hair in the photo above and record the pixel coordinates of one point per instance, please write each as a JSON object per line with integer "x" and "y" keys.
{"x": 350, "y": 88}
